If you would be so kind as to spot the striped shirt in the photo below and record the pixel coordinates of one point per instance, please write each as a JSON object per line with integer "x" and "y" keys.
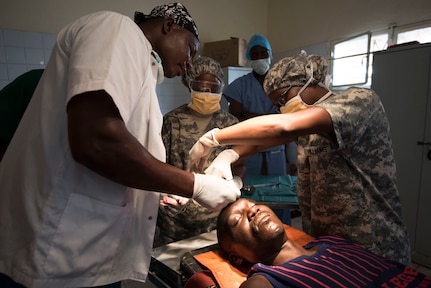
{"x": 340, "y": 263}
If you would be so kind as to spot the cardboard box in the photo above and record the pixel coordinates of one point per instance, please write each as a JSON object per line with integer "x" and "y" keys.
{"x": 228, "y": 52}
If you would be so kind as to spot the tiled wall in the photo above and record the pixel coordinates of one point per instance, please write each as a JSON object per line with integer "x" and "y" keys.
{"x": 22, "y": 51}
{"x": 172, "y": 93}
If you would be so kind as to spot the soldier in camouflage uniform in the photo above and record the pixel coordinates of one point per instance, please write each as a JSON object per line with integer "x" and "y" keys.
{"x": 182, "y": 127}
{"x": 346, "y": 168}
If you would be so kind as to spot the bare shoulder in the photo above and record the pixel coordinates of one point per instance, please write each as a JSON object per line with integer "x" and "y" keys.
{"x": 257, "y": 281}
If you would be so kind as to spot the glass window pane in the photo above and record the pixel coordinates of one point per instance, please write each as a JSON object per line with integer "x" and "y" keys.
{"x": 422, "y": 35}
{"x": 379, "y": 42}
{"x": 349, "y": 70}
{"x": 354, "y": 46}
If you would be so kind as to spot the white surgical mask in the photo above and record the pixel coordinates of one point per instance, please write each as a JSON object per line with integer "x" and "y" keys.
{"x": 260, "y": 66}
{"x": 160, "y": 71}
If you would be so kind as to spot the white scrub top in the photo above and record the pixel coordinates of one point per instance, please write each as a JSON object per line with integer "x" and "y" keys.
{"x": 62, "y": 224}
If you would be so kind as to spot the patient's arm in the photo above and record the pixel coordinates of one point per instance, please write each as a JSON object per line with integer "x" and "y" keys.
{"x": 257, "y": 281}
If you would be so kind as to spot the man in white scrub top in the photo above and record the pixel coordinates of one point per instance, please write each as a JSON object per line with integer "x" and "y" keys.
{"x": 80, "y": 180}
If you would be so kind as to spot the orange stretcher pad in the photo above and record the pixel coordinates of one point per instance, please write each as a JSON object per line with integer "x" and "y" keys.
{"x": 229, "y": 276}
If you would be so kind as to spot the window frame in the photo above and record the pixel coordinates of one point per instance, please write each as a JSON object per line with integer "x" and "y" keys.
{"x": 366, "y": 54}
{"x": 392, "y": 36}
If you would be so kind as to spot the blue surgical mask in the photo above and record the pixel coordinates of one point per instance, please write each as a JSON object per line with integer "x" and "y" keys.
{"x": 260, "y": 66}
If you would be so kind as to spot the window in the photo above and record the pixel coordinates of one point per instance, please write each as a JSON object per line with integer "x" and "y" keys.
{"x": 351, "y": 59}
{"x": 350, "y": 55}
{"x": 423, "y": 35}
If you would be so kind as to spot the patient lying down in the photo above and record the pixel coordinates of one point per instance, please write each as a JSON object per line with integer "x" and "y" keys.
{"x": 248, "y": 232}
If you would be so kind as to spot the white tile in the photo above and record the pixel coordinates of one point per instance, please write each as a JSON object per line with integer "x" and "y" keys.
{"x": 164, "y": 110}
{"x": 178, "y": 101}
{"x": 3, "y": 83}
{"x": 2, "y": 55}
{"x": 33, "y": 40}
{"x": 15, "y": 55}
{"x": 15, "y": 70}
{"x": 34, "y": 67}
{"x": 48, "y": 40}
{"x": 13, "y": 38}
{"x": 3, "y": 72}
{"x": 47, "y": 54}
{"x": 1, "y": 38}
{"x": 34, "y": 56}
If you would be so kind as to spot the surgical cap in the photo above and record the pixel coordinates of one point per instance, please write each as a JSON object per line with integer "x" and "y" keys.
{"x": 202, "y": 65}
{"x": 295, "y": 71}
{"x": 174, "y": 11}
{"x": 258, "y": 40}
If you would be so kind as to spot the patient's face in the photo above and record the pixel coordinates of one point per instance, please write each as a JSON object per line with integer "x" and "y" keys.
{"x": 256, "y": 232}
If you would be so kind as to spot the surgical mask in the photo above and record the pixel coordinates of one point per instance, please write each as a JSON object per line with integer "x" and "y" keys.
{"x": 160, "y": 71}
{"x": 260, "y": 66}
{"x": 205, "y": 102}
{"x": 297, "y": 104}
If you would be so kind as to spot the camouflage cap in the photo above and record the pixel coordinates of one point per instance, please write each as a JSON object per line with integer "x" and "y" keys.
{"x": 175, "y": 11}
{"x": 203, "y": 65}
{"x": 295, "y": 71}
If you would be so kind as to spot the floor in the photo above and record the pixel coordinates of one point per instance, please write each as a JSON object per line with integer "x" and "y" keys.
{"x": 296, "y": 222}
{"x": 422, "y": 269}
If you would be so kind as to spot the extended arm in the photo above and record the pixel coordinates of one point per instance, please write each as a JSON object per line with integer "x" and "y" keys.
{"x": 99, "y": 140}
{"x": 275, "y": 129}
{"x": 256, "y": 134}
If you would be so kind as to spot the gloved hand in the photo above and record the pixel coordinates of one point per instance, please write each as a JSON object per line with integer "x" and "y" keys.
{"x": 221, "y": 166}
{"x": 173, "y": 204}
{"x": 201, "y": 150}
{"x": 213, "y": 192}
{"x": 237, "y": 181}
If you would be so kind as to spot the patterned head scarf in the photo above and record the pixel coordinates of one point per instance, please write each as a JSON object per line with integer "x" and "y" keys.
{"x": 258, "y": 40}
{"x": 202, "y": 65}
{"x": 175, "y": 11}
{"x": 295, "y": 71}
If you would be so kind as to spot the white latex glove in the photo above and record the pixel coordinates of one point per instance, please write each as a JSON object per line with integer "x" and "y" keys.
{"x": 221, "y": 166}
{"x": 201, "y": 150}
{"x": 213, "y": 192}
{"x": 173, "y": 204}
{"x": 237, "y": 181}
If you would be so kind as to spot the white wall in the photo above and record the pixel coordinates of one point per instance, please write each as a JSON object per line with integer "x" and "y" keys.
{"x": 21, "y": 19}
{"x": 290, "y": 26}
{"x": 23, "y": 51}
{"x": 171, "y": 94}
{"x": 216, "y": 20}
{"x": 294, "y": 24}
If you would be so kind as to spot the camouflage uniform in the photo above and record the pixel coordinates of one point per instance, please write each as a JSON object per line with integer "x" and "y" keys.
{"x": 346, "y": 181}
{"x": 180, "y": 131}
